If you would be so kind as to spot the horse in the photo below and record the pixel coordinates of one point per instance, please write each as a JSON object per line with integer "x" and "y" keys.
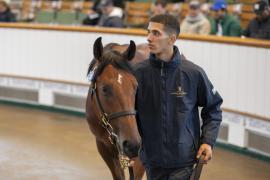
{"x": 110, "y": 106}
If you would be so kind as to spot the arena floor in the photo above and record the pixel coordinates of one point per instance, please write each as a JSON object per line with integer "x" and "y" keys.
{"x": 40, "y": 145}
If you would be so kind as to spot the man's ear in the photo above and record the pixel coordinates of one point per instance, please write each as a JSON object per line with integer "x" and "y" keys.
{"x": 172, "y": 39}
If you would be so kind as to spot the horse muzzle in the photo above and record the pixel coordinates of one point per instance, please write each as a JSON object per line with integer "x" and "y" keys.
{"x": 131, "y": 148}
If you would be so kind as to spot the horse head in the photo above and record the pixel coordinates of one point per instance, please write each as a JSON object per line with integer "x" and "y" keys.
{"x": 110, "y": 106}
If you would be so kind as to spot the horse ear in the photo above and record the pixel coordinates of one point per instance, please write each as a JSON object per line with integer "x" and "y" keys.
{"x": 98, "y": 49}
{"x": 131, "y": 50}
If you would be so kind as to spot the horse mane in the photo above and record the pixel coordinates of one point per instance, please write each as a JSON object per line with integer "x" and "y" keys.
{"x": 110, "y": 56}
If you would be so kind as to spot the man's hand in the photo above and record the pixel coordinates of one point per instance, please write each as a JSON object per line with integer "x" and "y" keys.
{"x": 207, "y": 151}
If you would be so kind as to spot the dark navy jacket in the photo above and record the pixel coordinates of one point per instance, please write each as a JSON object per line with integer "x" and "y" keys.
{"x": 168, "y": 123}
{"x": 258, "y": 29}
{"x": 7, "y": 16}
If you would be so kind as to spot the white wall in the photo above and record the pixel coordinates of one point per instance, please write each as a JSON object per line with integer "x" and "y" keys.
{"x": 50, "y": 54}
{"x": 241, "y": 74}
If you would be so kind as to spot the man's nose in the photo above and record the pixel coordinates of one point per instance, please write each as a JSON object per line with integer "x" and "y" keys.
{"x": 149, "y": 38}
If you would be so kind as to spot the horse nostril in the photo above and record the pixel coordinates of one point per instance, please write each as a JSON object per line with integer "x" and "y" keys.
{"x": 130, "y": 149}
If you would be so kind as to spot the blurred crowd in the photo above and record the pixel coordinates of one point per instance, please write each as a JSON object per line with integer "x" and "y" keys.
{"x": 202, "y": 18}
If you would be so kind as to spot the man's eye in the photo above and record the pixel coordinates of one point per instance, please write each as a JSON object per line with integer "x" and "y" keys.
{"x": 156, "y": 33}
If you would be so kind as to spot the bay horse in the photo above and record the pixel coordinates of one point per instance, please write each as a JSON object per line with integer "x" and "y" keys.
{"x": 110, "y": 107}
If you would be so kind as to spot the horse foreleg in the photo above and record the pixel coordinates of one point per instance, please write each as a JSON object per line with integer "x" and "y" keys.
{"x": 138, "y": 169}
{"x": 111, "y": 159}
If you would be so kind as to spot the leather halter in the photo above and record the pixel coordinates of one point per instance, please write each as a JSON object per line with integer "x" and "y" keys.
{"x": 106, "y": 118}
{"x": 105, "y": 122}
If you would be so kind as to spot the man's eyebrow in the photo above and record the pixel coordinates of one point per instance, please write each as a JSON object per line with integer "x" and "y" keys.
{"x": 153, "y": 30}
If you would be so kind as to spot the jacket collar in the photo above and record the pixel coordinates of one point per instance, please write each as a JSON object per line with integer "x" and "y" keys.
{"x": 174, "y": 63}
{"x": 225, "y": 19}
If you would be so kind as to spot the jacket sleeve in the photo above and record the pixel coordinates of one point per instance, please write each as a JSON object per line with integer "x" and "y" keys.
{"x": 210, "y": 101}
{"x": 235, "y": 29}
{"x": 205, "y": 27}
{"x": 114, "y": 22}
{"x": 246, "y": 32}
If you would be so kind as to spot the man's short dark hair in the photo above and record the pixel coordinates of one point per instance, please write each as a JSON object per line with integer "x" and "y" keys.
{"x": 171, "y": 24}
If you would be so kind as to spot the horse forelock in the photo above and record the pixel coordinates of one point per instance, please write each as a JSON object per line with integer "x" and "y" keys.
{"x": 113, "y": 57}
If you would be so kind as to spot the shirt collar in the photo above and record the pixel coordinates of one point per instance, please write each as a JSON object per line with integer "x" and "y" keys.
{"x": 174, "y": 63}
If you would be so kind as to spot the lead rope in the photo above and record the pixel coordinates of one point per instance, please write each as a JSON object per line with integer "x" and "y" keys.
{"x": 198, "y": 169}
{"x": 131, "y": 173}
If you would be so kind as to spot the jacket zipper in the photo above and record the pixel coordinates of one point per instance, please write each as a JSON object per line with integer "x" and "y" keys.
{"x": 164, "y": 134}
{"x": 161, "y": 70}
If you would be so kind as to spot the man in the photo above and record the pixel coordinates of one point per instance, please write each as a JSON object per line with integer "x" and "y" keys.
{"x": 93, "y": 15}
{"x": 111, "y": 16}
{"x": 226, "y": 25}
{"x": 195, "y": 22}
{"x": 259, "y": 27}
{"x": 5, "y": 13}
{"x": 159, "y": 7}
{"x": 170, "y": 90}
{"x": 205, "y": 9}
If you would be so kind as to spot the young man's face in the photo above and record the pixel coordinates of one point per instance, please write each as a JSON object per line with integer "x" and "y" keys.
{"x": 157, "y": 38}
{"x": 219, "y": 14}
{"x": 194, "y": 12}
{"x": 3, "y": 8}
{"x": 158, "y": 9}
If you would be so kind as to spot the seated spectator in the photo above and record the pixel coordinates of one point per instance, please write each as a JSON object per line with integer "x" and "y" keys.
{"x": 259, "y": 27}
{"x": 5, "y": 13}
{"x": 205, "y": 9}
{"x": 159, "y": 7}
{"x": 225, "y": 24}
{"x": 93, "y": 15}
{"x": 111, "y": 16}
{"x": 195, "y": 22}
{"x": 237, "y": 11}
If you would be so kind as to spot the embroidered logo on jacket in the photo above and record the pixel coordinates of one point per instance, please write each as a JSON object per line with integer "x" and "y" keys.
{"x": 179, "y": 92}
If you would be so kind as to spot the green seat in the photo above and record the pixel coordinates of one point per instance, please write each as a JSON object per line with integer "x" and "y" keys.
{"x": 82, "y": 16}
{"x": 66, "y": 17}
{"x": 45, "y": 17}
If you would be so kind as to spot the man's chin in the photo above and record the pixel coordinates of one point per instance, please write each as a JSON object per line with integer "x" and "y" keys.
{"x": 153, "y": 51}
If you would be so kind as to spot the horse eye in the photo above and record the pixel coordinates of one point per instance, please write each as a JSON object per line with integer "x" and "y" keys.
{"x": 106, "y": 90}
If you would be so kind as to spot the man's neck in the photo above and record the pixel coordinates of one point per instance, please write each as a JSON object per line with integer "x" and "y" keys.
{"x": 166, "y": 55}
